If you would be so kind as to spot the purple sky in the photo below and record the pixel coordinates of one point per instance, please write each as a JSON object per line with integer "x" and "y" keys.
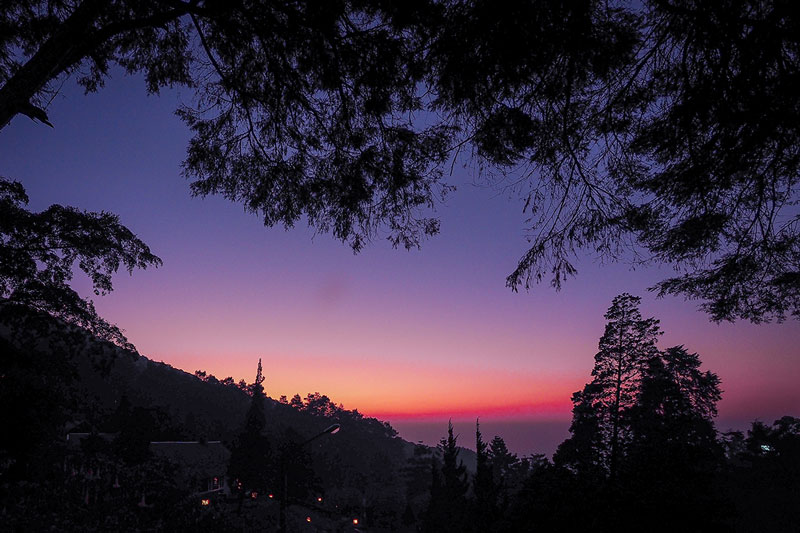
{"x": 412, "y": 337}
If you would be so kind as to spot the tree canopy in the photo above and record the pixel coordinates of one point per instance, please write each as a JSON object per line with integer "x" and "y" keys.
{"x": 39, "y": 250}
{"x": 662, "y": 131}
{"x": 642, "y": 429}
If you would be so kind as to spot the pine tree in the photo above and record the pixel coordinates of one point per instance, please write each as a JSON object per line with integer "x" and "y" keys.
{"x": 448, "y": 504}
{"x": 251, "y": 459}
{"x": 435, "y": 518}
{"x": 626, "y": 347}
{"x": 454, "y": 473}
{"x": 483, "y": 485}
{"x": 642, "y": 435}
{"x": 583, "y": 452}
{"x": 256, "y": 421}
{"x": 505, "y": 466}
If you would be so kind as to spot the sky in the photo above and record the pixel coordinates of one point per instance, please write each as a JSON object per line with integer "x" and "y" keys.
{"x": 412, "y": 337}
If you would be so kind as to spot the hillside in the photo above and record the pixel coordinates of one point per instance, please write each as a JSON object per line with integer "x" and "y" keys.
{"x": 85, "y": 382}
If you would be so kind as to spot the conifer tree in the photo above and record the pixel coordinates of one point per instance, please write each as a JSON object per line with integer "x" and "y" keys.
{"x": 483, "y": 485}
{"x": 642, "y": 435}
{"x": 625, "y": 349}
{"x": 583, "y": 452}
{"x": 256, "y": 421}
{"x": 251, "y": 461}
{"x": 448, "y": 505}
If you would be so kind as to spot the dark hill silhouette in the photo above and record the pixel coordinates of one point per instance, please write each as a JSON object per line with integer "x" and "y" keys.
{"x": 363, "y": 467}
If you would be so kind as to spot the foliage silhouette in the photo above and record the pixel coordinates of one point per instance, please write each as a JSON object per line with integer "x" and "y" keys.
{"x": 483, "y": 485}
{"x": 447, "y": 510}
{"x": 625, "y": 350}
{"x": 671, "y": 473}
{"x": 662, "y": 131}
{"x": 762, "y": 477}
{"x": 252, "y": 461}
{"x": 642, "y": 432}
{"x": 38, "y": 251}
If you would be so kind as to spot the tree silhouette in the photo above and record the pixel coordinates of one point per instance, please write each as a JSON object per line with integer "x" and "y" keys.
{"x": 643, "y": 442}
{"x": 763, "y": 477}
{"x": 448, "y": 504}
{"x": 584, "y": 451}
{"x": 666, "y": 127}
{"x": 38, "y": 252}
{"x": 673, "y": 454}
{"x": 39, "y": 395}
{"x": 505, "y": 469}
{"x": 484, "y": 488}
{"x": 251, "y": 461}
{"x": 625, "y": 349}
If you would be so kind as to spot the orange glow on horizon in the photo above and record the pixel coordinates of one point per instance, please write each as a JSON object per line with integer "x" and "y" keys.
{"x": 388, "y": 389}
{"x": 551, "y": 409}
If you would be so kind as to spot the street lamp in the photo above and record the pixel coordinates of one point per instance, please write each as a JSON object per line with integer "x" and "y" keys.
{"x": 332, "y": 429}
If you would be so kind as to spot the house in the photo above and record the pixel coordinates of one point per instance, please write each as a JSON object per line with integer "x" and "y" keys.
{"x": 200, "y": 467}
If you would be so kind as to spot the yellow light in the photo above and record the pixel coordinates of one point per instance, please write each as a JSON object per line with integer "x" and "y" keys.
{"x": 355, "y": 521}
{"x": 205, "y": 501}
{"x": 319, "y": 499}
{"x": 308, "y": 519}
{"x": 270, "y": 496}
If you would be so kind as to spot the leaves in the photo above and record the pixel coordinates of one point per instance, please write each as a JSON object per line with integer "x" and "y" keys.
{"x": 662, "y": 131}
{"x": 39, "y": 250}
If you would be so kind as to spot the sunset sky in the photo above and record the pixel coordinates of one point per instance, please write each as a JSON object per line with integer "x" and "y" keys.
{"x": 412, "y": 337}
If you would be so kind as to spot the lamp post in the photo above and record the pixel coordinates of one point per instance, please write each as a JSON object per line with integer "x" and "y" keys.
{"x": 333, "y": 428}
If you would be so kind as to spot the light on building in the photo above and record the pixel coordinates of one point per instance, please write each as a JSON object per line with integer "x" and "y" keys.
{"x": 254, "y": 495}
{"x": 205, "y": 501}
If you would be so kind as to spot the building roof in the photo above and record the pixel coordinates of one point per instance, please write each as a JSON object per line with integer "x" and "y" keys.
{"x": 209, "y": 458}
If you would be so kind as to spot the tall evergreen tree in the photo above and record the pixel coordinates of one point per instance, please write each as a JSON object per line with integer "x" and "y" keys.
{"x": 642, "y": 434}
{"x": 434, "y": 517}
{"x": 256, "y": 421}
{"x": 448, "y": 504}
{"x": 484, "y": 488}
{"x": 583, "y": 452}
{"x": 626, "y": 347}
{"x": 251, "y": 459}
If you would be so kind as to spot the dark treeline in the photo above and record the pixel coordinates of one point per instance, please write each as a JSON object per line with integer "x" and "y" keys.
{"x": 643, "y": 451}
{"x": 58, "y": 382}
{"x": 643, "y": 455}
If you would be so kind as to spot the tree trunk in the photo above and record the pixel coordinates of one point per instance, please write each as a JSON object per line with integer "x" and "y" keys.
{"x": 615, "y": 412}
{"x": 62, "y": 50}
{"x": 75, "y": 38}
